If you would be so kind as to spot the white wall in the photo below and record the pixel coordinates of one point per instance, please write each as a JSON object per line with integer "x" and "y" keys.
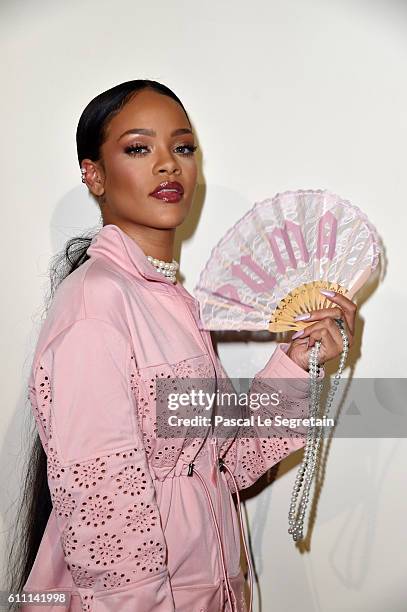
{"x": 284, "y": 94}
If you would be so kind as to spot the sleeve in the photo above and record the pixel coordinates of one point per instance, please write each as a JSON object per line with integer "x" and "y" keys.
{"x": 102, "y": 492}
{"x": 250, "y": 457}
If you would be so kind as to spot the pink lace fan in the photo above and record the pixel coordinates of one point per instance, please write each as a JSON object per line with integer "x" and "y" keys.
{"x": 270, "y": 265}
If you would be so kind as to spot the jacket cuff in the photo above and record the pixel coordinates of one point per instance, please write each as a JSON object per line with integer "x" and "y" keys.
{"x": 292, "y": 379}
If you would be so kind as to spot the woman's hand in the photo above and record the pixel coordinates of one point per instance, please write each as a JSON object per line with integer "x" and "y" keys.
{"x": 326, "y": 330}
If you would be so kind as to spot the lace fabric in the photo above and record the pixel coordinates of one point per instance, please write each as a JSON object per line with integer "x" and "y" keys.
{"x": 276, "y": 247}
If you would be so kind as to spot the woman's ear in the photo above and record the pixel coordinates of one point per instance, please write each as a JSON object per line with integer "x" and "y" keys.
{"x": 93, "y": 176}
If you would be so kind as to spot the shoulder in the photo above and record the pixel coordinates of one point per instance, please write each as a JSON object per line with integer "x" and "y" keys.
{"x": 92, "y": 345}
{"x": 92, "y": 292}
{"x": 103, "y": 291}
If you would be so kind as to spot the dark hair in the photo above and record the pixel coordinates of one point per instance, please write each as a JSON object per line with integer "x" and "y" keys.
{"x": 35, "y": 504}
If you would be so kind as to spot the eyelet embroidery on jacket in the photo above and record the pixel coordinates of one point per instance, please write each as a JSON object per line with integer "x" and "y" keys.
{"x": 102, "y": 556}
{"x": 40, "y": 397}
{"x": 86, "y": 602}
{"x": 275, "y": 449}
{"x": 54, "y": 467}
{"x": 81, "y": 576}
{"x": 115, "y": 579}
{"x": 252, "y": 461}
{"x": 89, "y": 473}
{"x": 131, "y": 480}
{"x": 150, "y": 556}
{"x": 148, "y": 443}
{"x": 249, "y": 457}
{"x": 167, "y": 455}
{"x": 191, "y": 447}
{"x": 184, "y": 369}
{"x": 205, "y": 370}
{"x": 96, "y": 510}
{"x": 142, "y": 401}
{"x": 141, "y": 518}
{"x": 86, "y": 506}
{"x": 162, "y": 452}
{"x": 69, "y": 540}
{"x": 106, "y": 548}
{"x": 63, "y": 502}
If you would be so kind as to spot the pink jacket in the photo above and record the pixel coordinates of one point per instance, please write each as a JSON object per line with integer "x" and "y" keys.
{"x": 130, "y": 531}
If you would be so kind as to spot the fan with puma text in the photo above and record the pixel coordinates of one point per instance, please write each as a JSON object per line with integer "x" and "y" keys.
{"x": 270, "y": 265}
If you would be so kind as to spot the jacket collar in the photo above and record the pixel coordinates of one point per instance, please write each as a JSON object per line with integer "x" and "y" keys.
{"x": 112, "y": 242}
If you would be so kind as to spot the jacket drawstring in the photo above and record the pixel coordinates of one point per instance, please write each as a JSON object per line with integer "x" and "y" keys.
{"x": 222, "y": 558}
{"x": 222, "y": 464}
{"x": 246, "y": 548}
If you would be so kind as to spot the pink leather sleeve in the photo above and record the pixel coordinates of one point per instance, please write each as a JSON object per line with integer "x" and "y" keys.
{"x": 250, "y": 458}
{"x": 102, "y": 492}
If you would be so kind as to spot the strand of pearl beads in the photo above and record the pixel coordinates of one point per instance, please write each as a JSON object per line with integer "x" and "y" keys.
{"x": 306, "y": 470}
{"x": 166, "y": 268}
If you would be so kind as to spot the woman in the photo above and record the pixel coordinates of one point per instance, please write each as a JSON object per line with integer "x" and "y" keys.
{"x": 140, "y": 522}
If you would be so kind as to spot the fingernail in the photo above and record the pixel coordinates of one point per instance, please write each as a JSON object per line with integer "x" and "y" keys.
{"x": 297, "y": 334}
{"x": 327, "y": 292}
{"x": 302, "y": 317}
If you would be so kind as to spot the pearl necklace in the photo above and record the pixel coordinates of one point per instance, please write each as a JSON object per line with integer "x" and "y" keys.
{"x": 306, "y": 470}
{"x": 166, "y": 268}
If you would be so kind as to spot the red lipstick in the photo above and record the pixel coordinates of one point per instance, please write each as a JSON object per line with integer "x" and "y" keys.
{"x": 168, "y": 191}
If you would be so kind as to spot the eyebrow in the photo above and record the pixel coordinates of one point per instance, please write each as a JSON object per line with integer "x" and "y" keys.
{"x": 148, "y": 132}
